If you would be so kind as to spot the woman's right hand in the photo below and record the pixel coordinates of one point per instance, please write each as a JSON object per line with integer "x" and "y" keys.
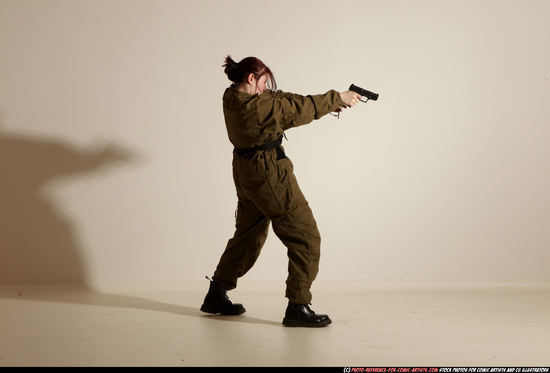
{"x": 350, "y": 98}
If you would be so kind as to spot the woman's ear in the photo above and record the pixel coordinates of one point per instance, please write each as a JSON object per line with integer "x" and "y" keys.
{"x": 250, "y": 78}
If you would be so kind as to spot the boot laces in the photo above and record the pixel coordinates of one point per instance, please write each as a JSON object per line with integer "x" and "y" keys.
{"x": 309, "y": 309}
{"x": 222, "y": 288}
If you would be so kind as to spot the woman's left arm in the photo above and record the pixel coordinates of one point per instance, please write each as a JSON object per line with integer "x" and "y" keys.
{"x": 292, "y": 110}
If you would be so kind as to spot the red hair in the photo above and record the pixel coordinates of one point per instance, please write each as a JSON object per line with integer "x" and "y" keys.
{"x": 238, "y": 72}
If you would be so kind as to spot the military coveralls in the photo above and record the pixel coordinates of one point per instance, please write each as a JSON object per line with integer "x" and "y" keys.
{"x": 267, "y": 189}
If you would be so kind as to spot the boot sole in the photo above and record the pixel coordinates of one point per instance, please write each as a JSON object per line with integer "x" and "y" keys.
{"x": 304, "y": 324}
{"x": 216, "y": 311}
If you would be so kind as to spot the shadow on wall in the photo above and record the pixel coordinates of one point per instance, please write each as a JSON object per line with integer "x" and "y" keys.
{"x": 37, "y": 242}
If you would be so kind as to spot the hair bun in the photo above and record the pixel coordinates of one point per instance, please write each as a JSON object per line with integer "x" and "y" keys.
{"x": 230, "y": 64}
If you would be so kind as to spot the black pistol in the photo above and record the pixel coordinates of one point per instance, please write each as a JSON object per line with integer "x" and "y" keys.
{"x": 363, "y": 92}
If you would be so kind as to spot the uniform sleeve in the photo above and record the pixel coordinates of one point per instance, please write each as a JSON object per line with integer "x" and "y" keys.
{"x": 288, "y": 110}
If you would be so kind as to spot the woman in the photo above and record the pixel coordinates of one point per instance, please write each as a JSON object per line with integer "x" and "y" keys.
{"x": 256, "y": 118}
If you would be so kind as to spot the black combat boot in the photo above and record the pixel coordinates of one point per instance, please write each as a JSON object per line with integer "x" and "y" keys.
{"x": 217, "y": 301}
{"x": 302, "y": 315}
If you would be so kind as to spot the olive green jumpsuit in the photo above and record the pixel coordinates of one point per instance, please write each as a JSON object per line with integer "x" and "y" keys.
{"x": 267, "y": 189}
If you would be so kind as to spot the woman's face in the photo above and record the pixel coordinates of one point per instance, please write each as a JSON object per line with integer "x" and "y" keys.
{"x": 261, "y": 84}
{"x": 254, "y": 86}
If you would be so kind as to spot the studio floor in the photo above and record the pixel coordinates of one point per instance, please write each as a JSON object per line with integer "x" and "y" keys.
{"x": 61, "y": 325}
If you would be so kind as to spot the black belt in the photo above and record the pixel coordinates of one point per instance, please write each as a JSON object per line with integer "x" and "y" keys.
{"x": 275, "y": 144}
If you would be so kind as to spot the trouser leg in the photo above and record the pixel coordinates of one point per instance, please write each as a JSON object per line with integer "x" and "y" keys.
{"x": 241, "y": 252}
{"x": 279, "y": 196}
{"x": 298, "y": 231}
